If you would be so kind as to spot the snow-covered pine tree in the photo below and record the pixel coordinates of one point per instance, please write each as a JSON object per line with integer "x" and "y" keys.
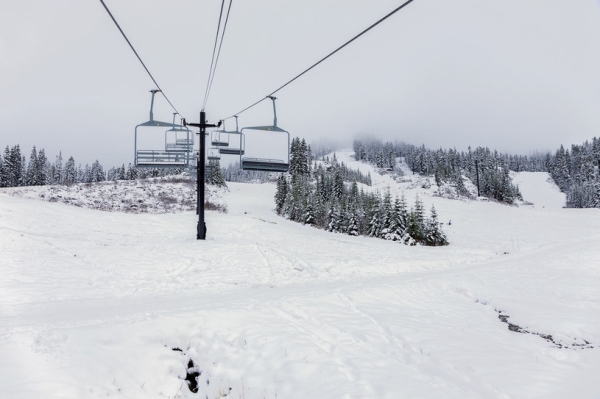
{"x": 23, "y": 170}
{"x": 58, "y": 176}
{"x": 8, "y": 168}
{"x": 132, "y": 172}
{"x": 288, "y": 205}
{"x": 416, "y": 221}
{"x": 41, "y": 169}
{"x": 386, "y": 215}
{"x": 343, "y": 215}
{"x": 338, "y": 184}
{"x": 280, "y": 193}
{"x": 70, "y": 171}
{"x": 215, "y": 176}
{"x": 2, "y": 173}
{"x": 374, "y": 227}
{"x": 353, "y": 228}
{"x": 97, "y": 172}
{"x": 303, "y": 158}
{"x": 31, "y": 174}
{"x": 395, "y": 232}
{"x": 121, "y": 173}
{"x": 309, "y": 215}
{"x": 434, "y": 236}
{"x": 332, "y": 221}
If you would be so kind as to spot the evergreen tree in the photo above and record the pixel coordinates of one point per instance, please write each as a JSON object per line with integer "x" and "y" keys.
{"x": 14, "y": 166}
{"x": 416, "y": 221}
{"x": 280, "y": 193}
{"x": 132, "y": 172}
{"x": 309, "y": 215}
{"x": 374, "y": 228}
{"x": 332, "y": 218}
{"x": 58, "y": 176}
{"x": 338, "y": 184}
{"x": 353, "y": 228}
{"x": 214, "y": 175}
{"x": 3, "y": 180}
{"x": 32, "y": 173}
{"x": 97, "y": 172}
{"x": 70, "y": 173}
{"x": 434, "y": 236}
{"x": 387, "y": 216}
{"x": 41, "y": 169}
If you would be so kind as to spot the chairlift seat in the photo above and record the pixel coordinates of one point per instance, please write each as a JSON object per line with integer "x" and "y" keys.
{"x": 266, "y": 165}
{"x": 161, "y": 159}
{"x": 231, "y": 151}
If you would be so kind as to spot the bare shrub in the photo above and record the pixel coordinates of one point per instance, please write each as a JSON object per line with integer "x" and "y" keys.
{"x": 210, "y": 206}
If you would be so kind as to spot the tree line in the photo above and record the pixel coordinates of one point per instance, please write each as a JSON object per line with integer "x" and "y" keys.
{"x": 16, "y": 170}
{"x": 327, "y": 196}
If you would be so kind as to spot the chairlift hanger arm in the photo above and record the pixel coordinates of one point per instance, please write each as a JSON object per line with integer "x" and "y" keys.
{"x": 201, "y": 125}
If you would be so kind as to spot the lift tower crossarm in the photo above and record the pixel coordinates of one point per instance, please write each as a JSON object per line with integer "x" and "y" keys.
{"x": 200, "y": 171}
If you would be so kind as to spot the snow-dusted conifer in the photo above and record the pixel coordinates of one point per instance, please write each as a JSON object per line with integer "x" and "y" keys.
{"x": 309, "y": 215}
{"x": 97, "y": 172}
{"x": 31, "y": 174}
{"x": 70, "y": 174}
{"x": 132, "y": 172}
{"x": 434, "y": 236}
{"x": 280, "y": 193}
{"x": 2, "y": 173}
{"x": 41, "y": 169}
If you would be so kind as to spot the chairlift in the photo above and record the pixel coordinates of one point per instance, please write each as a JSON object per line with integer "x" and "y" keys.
{"x": 264, "y": 164}
{"x": 179, "y": 138}
{"x": 230, "y": 150}
{"x": 214, "y": 154}
{"x": 217, "y": 141}
{"x": 169, "y": 157}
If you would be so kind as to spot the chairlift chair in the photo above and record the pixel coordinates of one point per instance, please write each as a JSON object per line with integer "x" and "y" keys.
{"x": 264, "y": 164}
{"x": 179, "y": 138}
{"x": 163, "y": 158}
{"x": 217, "y": 141}
{"x": 230, "y": 150}
{"x": 214, "y": 154}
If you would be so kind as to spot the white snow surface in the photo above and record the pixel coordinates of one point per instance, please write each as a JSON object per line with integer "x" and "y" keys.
{"x": 92, "y": 303}
{"x": 539, "y": 189}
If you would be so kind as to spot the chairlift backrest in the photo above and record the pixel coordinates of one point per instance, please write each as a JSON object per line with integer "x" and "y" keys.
{"x": 265, "y": 164}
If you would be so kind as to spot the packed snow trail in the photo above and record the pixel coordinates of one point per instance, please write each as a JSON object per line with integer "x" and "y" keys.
{"x": 539, "y": 189}
{"x": 93, "y": 303}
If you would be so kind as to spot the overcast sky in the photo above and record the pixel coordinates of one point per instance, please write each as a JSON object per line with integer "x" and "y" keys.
{"x": 515, "y": 75}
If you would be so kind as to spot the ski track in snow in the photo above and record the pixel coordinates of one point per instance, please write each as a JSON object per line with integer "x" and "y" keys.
{"x": 92, "y": 303}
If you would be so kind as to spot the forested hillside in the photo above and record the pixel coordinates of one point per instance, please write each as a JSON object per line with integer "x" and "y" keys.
{"x": 326, "y": 195}
{"x": 576, "y": 172}
{"x": 448, "y": 166}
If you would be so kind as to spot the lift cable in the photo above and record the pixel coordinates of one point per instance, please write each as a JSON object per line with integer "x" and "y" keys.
{"x": 218, "y": 54}
{"x": 138, "y": 57}
{"x": 326, "y": 57}
{"x": 215, "y": 60}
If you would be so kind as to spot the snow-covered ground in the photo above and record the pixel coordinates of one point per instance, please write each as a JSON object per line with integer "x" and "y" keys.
{"x": 93, "y": 303}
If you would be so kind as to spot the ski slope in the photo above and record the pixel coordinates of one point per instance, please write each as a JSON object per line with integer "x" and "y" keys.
{"x": 93, "y": 303}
